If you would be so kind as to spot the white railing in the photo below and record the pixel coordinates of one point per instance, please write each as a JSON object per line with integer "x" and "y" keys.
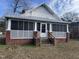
{"x": 21, "y": 34}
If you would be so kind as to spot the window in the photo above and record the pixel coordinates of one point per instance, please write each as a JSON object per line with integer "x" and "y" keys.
{"x": 59, "y": 27}
{"x": 14, "y": 25}
{"x": 25, "y": 25}
{"x": 21, "y": 25}
{"x": 30, "y": 25}
{"x": 38, "y": 26}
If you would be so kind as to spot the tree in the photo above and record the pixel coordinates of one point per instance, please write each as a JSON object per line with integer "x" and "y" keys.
{"x": 69, "y": 16}
{"x": 18, "y": 5}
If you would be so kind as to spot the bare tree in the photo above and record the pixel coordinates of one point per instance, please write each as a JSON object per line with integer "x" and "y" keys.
{"x": 69, "y": 16}
{"x": 20, "y": 4}
{"x": 15, "y": 5}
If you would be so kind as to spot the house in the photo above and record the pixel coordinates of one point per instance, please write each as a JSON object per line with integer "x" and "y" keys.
{"x": 35, "y": 25}
{"x": 74, "y": 28}
{"x": 2, "y": 30}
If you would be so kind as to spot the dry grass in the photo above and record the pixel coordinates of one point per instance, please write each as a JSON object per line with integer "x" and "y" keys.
{"x": 69, "y": 50}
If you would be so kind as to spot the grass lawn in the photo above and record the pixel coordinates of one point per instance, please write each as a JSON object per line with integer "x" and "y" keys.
{"x": 68, "y": 50}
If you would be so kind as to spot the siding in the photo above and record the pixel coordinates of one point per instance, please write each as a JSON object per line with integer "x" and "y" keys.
{"x": 40, "y": 12}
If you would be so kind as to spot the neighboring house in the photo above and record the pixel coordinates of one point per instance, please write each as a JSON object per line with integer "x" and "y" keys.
{"x": 2, "y": 30}
{"x": 38, "y": 24}
{"x": 2, "y": 24}
{"x": 74, "y": 28}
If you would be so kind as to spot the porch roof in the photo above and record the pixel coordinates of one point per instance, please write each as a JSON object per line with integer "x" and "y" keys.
{"x": 33, "y": 18}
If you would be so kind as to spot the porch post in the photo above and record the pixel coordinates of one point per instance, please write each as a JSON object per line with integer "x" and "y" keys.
{"x": 36, "y": 36}
{"x": 67, "y": 28}
{"x": 35, "y": 29}
{"x": 7, "y": 34}
{"x": 67, "y": 33}
{"x": 9, "y": 25}
{"x": 50, "y": 28}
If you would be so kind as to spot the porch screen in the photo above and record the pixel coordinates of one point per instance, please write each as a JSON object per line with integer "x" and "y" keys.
{"x": 14, "y": 25}
{"x": 21, "y": 25}
{"x": 59, "y": 27}
{"x": 21, "y": 29}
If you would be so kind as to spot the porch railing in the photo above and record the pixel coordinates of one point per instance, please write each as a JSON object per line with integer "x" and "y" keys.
{"x": 51, "y": 38}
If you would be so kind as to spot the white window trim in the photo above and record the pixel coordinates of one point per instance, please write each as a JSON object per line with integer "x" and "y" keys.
{"x": 35, "y": 27}
{"x": 67, "y": 28}
{"x": 50, "y": 27}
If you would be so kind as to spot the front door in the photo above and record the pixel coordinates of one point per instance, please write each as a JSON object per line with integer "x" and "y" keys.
{"x": 43, "y": 30}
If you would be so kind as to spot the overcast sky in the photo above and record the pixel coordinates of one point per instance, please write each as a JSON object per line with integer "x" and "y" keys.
{"x": 59, "y": 6}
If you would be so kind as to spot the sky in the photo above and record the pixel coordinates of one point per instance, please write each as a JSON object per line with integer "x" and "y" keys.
{"x": 63, "y": 6}
{"x": 3, "y": 7}
{"x": 59, "y": 6}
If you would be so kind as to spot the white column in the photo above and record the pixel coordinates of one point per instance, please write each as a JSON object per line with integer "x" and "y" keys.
{"x": 35, "y": 29}
{"x": 50, "y": 27}
{"x": 67, "y": 28}
{"x": 9, "y": 25}
{"x": 46, "y": 27}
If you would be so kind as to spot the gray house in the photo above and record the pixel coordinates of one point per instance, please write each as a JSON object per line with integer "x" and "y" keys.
{"x": 36, "y": 25}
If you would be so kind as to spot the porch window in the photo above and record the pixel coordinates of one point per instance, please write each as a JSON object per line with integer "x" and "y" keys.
{"x": 38, "y": 26}
{"x": 21, "y": 25}
{"x": 25, "y": 25}
{"x": 30, "y": 26}
{"x": 14, "y": 25}
{"x": 59, "y": 27}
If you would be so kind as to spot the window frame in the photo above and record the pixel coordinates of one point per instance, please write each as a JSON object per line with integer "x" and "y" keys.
{"x": 23, "y": 25}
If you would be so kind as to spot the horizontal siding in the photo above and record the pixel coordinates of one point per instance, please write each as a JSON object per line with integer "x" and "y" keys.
{"x": 39, "y": 12}
{"x": 59, "y": 34}
{"x": 20, "y": 34}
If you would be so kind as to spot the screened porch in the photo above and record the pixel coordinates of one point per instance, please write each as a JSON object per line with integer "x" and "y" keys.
{"x": 23, "y": 29}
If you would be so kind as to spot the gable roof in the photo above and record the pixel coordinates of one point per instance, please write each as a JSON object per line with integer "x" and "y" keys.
{"x": 54, "y": 19}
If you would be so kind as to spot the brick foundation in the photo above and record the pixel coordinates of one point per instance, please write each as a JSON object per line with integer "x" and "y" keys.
{"x": 17, "y": 41}
{"x": 60, "y": 40}
{"x": 7, "y": 36}
{"x": 36, "y": 38}
{"x": 67, "y": 37}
